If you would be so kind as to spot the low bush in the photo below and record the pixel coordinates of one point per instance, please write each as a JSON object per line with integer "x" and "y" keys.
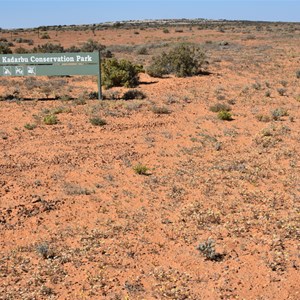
{"x": 161, "y": 110}
{"x": 4, "y": 49}
{"x": 207, "y": 248}
{"x": 120, "y": 73}
{"x": 133, "y": 94}
{"x": 48, "y": 48}
{"x": 45, "y": 36}
{"x": 224, "y": 115}
{"x": 183, "y": 61}
{"x": 50, "y": 120}
{"x": 141, "y": 169}
{"x": 30, "y": 126}
{"x": 96, "y": 121}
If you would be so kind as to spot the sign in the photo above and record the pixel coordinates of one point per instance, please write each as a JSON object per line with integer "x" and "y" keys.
{"x": 52, "y": 64}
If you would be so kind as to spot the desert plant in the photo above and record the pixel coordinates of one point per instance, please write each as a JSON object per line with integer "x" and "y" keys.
{"x": 268, "y": 93}
{"x": 96, "y": 121}
{"x": 298, "y": 74}
{"x": 161, "y": 110}
{"x": 30, "y": 126}
{"x": 141, "y": 169}
{"x": 142, "y": 50}
{"x": 224, "y": 115}
{"x": 263, "y": 118}
{"x": 278, "y": 113}
{"x": 207, "y": 248}
{"x": 281, "y": 91}
{"x": 20, "y": 50}
{"x": 4, "y": 49}
{"x": 45, "y": 251}
{"x": 120, "y": 73}
{"x": 184, "y": 60}
{"x": 50, "y": 119}
{"x": 48, "y": 48}
{"x": 45, "y": 36}
{"x": 91, "y": 46}
{"x": 133, "y": 94}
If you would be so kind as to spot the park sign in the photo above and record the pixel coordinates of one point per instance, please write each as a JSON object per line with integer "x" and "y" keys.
{"x": 51, "y": 64}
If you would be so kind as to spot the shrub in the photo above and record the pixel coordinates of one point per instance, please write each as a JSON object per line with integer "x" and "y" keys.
{"x": 142, "y": 50}
{"x": 141, "y": 169}
{"x": 91, "y": 46}
{"x": 30, "y": 126}
{"x": 298, "y": 74}
{"x": 224, "y": 115}
{"x": 93, "y": 95}
{"x": 161, "y": 110}
{"x": 96, "y": 121}
{"x": 120, "y": 73}
{"x": 45, "y": 36}
{"x": 281, "y": 91}
{"x": 263, "y": 118}
{"x": 133, "y": 94}
{"x": 48, "y": 48}
{"x": 50, "y": 120}
{"x": 21, "y": 50}
{"x": 4, "y": 49}
{"x": 45, "y": 251}
{"x": 166, "y": 30}
{"x": 207, "y": 248}
{"x": 278, "y": 113}
{"x": 184, "y": 60}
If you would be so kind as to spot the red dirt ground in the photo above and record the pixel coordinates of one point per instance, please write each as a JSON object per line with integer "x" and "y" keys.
{"x": 76, "y": 220}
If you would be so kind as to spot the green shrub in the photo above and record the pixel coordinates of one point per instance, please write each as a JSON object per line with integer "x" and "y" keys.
{"x": 45, "y": 36}
{"x": 224, "y": 115}
{"x": 30, "y": 126}
{"x": 48, "y": 48}
{"x": 141, "y": 169}
{"x": 120, "y": 73}
{"x": 50, "y": 120}
{"x": 91, "y": 46}
{"x": 4, "y": 49}
{"x": 184, "y": 60}
{"x": 96, "y": 121}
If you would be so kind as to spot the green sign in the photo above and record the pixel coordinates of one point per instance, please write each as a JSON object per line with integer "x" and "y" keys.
{"x": 52, "y": 64}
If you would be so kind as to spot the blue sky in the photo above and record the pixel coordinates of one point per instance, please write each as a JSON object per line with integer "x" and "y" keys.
{"x": 33, "y": 13}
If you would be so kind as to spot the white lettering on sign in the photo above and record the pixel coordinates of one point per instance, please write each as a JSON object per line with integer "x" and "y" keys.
{"x": 51, "y": 60}
{"x": 80, "y": 58}
{"x": 47, "y": 59}
{"x": 14, "y": 59}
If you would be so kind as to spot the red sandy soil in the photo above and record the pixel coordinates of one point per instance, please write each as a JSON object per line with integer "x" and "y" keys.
{"x": 77, "y": 221}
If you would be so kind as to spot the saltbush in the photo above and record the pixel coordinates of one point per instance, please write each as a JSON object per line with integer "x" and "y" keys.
{"x": 48, "y": 48}
{"x": 120, "y": 73}
{"x": 183, "y": 61}
{"x": 4, "y": 49}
